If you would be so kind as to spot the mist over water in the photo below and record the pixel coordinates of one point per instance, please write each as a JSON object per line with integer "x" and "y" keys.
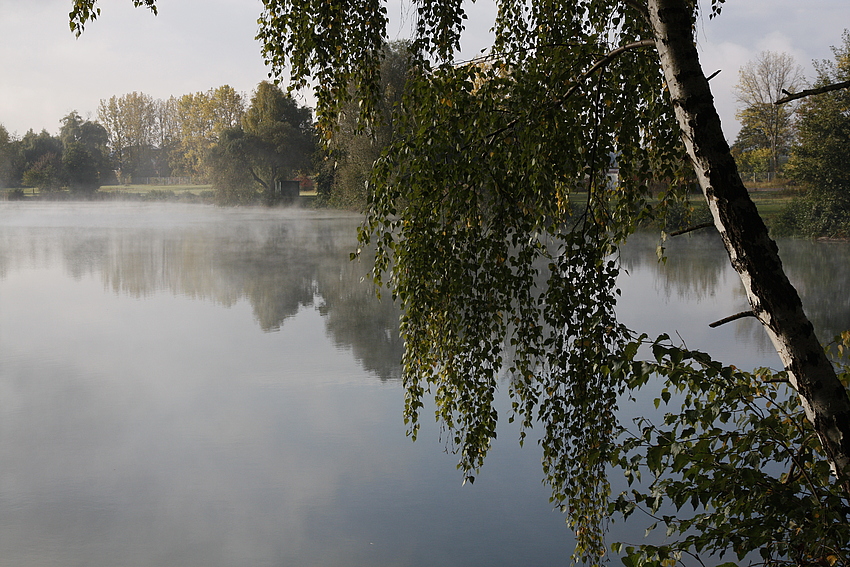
{"x": 187, "y": 385}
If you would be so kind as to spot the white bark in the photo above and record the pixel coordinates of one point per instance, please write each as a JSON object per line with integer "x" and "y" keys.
{"x": 753, "y": 254}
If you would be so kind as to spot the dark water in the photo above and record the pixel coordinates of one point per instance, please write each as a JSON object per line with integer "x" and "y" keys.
{"x": 183, "y": 385}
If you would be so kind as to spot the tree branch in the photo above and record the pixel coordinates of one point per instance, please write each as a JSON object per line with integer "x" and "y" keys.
{"x": 810, "y": 92}
{"x": 692, "y": 228}
{"x": 731, "y": 318}
{"x": 610, "y": 56}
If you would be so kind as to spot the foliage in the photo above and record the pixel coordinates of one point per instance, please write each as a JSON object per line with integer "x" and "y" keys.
{"x": 354, "y": 148}
{"x": 470, "y": 212}
{"x": 819, "y": 159}
{"x": 754, "y": 164}
{"x": 816, "y": 214}
{"x": 275, "y": 142}
{"x": 735, "y": 470}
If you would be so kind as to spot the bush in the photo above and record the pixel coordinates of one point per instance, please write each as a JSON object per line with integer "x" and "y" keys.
{"x": 823, "y": 213}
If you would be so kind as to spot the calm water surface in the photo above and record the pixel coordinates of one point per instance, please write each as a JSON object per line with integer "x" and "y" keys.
{"x": 183, "y": 385}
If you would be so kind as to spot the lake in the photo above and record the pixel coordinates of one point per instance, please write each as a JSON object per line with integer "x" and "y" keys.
{"x": 188, "y": 385}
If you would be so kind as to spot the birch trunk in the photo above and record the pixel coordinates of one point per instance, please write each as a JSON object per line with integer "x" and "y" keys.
{"x": 753, "y": 253}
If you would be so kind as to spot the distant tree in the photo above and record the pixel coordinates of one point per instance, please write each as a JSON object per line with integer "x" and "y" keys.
{"x": 201, "y": 117}
{"x": 45, "y": 173}
{"x": 11, "y": 160}
{"x": 84, "y": 157}
{"x": 353, "y": 147}
{"x": 762, "y": 82}
{"x": 130, "y": 121}
{"x": 42, "y": 161}
{"x": 276, "y": 141}
{"x": 231, "y": 179}
{"x": 819, "y": 158}
{"x": 81, "y": 168}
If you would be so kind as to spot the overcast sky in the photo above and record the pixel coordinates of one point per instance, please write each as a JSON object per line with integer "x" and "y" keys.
{"x": 195, "y": 45}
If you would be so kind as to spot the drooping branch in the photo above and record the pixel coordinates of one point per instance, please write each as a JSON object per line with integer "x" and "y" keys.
{"x": 86, "y": 11}
{"x": 579, "y": 82}
{"x": 810, "y": 92}
{"x": 610, "y": 56}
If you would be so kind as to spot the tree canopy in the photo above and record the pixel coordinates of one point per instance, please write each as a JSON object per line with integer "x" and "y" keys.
{"x": 274, "y": 141}
{"x": 819, "y": 157}
{"x": 471, "y": 213}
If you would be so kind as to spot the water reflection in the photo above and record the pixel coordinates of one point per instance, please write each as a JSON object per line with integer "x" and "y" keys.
{"x": 696, "y": 276}
{"x": 145, "y": 424}
{"x": 694, "y": 267}
{"x": 182, "y": 385}
{"x": 279, "y": 263}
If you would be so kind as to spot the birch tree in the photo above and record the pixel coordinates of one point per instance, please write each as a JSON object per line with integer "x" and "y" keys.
{"x": 471, "y": 218}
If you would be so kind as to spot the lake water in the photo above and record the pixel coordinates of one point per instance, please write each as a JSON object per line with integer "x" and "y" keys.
{"x": 193, "y": 386}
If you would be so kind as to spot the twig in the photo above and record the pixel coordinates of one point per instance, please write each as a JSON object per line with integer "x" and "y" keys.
{"x": 713, "y": 75}
{"x": 731, "y": 318}
{"x": 810, "y": 92}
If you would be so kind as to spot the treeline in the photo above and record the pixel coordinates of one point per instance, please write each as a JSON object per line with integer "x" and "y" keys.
{"x": 249, "y": 150}
{"x": 245, "y": 149}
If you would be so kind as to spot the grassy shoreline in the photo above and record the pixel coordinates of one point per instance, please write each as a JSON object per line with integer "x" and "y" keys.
{"x": 134, "y": 192}
{"x": 769, "y": 202}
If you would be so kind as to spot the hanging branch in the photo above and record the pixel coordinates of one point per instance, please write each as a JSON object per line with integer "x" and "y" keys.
{"x": 810, "y": 92}
{"x": 610, "y": 56}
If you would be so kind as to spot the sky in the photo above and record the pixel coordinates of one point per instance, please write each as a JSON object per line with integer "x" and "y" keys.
{"x": 196, "y": 45}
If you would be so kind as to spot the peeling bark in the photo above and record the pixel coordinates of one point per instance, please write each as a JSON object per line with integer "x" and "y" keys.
{"x": 753, "y": 254}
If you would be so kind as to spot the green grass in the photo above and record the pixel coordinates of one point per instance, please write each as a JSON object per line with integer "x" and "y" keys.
{"x": 771, "y": 202}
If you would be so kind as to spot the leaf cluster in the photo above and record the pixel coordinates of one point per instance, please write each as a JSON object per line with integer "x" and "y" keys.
{"x": 732, "y": 467}
{"x": 499, "y": 272}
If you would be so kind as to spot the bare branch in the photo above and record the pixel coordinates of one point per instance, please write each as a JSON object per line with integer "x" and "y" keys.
{"x": 731, "y": 318}
{"x": 810, "y": 92}
{"x": 692, "y": 228}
